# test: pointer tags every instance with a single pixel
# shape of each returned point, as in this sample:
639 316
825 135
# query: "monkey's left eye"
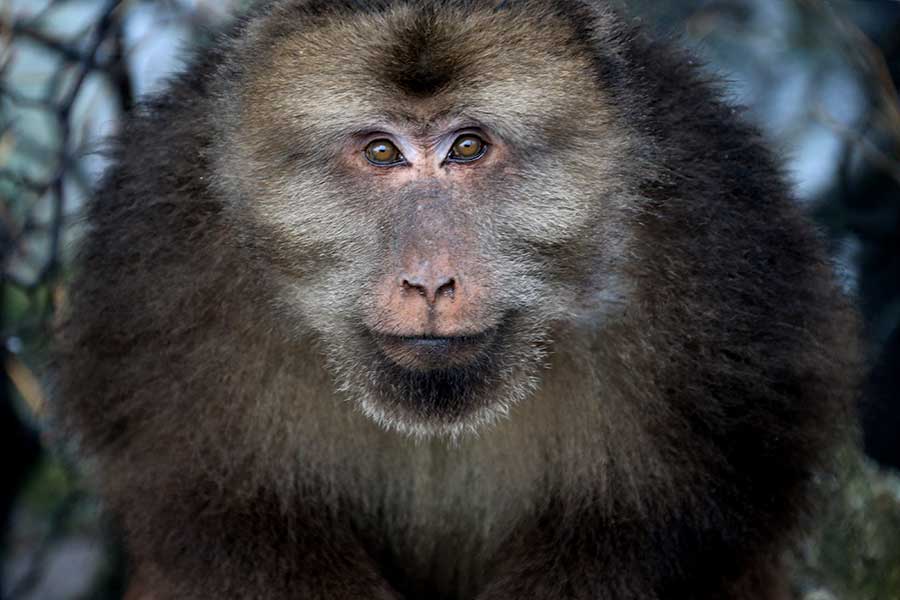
467 148
383 153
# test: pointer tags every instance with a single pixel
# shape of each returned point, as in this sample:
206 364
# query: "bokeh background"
818 77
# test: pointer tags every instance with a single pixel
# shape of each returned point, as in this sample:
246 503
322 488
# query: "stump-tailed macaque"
451 299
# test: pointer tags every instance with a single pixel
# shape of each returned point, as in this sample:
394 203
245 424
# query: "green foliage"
855 552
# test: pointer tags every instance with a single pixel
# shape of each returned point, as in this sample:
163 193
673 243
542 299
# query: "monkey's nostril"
448 289
431 289
414 284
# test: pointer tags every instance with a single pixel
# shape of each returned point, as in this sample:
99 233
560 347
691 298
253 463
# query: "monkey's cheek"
435 353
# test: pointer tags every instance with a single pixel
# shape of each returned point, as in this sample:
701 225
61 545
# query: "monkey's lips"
426 353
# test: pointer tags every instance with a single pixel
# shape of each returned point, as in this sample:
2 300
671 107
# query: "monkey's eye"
383 153
467 148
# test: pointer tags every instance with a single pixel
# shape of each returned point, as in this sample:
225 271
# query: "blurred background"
818 76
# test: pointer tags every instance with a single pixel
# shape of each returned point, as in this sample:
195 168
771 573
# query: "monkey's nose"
431 287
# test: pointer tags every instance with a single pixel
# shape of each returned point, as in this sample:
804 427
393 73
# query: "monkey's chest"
435 526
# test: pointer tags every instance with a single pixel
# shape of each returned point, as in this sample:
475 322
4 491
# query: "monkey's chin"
440 386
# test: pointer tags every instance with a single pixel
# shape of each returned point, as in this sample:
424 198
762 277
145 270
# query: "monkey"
451 299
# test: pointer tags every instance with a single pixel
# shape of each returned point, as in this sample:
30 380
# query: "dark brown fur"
674 365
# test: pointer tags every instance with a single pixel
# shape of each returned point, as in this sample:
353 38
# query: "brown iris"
383 153
467 148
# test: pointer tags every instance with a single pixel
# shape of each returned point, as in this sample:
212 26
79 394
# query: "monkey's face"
436 196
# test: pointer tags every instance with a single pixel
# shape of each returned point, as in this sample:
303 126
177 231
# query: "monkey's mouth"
437 382
427 353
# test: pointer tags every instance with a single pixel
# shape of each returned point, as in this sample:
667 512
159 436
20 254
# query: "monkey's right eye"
383 153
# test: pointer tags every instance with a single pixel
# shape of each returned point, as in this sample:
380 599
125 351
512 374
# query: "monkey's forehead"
410 63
